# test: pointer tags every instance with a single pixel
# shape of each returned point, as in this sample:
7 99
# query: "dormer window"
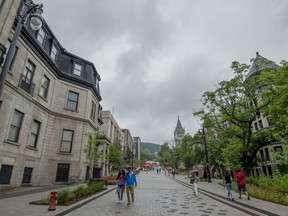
97 83
53 52
41 35
77 69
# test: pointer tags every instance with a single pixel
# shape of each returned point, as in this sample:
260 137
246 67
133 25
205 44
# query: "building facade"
267 163
51 99
179 132
128 141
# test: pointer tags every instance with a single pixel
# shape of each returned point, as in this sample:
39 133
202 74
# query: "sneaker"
128 203
232 199
248 198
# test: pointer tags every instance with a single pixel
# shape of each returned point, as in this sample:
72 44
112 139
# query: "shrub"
80 191
67 195
64 196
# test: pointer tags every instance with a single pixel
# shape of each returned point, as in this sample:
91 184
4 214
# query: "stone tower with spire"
179 132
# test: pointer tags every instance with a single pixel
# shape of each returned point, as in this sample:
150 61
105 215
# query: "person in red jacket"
241 184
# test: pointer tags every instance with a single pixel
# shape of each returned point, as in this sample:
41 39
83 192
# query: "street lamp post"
34 12
206 154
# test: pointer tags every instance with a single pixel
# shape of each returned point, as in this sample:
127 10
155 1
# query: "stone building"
51 99
179 132
266 161
128 144
112 131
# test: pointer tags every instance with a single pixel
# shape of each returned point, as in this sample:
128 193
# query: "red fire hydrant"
53 201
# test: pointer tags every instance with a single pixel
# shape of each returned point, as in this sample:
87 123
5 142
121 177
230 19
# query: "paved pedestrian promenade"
156 195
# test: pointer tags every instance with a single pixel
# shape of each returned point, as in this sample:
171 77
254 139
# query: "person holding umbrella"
131 182
120 181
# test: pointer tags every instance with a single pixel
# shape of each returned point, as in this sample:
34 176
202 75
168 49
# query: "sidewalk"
15 201
156 195
215 188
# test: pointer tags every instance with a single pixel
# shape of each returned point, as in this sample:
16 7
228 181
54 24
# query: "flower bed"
71 196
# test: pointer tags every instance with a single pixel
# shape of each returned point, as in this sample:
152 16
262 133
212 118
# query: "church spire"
179 132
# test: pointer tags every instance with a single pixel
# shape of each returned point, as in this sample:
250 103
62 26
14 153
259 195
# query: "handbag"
192 181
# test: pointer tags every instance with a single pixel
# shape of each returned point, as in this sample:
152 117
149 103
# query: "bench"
111 180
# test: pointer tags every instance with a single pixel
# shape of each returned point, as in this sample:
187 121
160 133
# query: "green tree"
115 155
165 155
91 150
237 102
144 155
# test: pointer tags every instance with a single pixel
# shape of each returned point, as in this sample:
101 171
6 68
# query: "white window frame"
66 141
44 88
93 110
71 103
15 126
77 70
35 130
53 52
41 35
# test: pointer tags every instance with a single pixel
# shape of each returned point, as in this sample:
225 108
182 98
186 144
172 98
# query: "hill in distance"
152 147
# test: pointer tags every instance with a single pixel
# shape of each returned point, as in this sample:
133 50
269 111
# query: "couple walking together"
128 180
240 177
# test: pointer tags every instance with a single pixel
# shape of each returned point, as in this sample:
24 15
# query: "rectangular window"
260 124
5 174
44 87
267 155
34 134
53 52
41 35
62 172
93 110
72 102
278 148
27 175
66 142
15 126
77 69
26 78
270 123
262 155
7 45
256 126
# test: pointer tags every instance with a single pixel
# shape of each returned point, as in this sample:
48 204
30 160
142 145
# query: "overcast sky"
157 57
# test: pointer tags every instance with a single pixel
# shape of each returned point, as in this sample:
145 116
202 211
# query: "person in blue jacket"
131 182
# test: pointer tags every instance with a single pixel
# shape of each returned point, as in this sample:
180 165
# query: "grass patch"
267 188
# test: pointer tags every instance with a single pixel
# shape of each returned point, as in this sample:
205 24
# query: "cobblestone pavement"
157 195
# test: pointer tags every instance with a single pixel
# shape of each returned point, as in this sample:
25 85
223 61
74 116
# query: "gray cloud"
157 57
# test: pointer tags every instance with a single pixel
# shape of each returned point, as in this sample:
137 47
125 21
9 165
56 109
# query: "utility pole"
206 153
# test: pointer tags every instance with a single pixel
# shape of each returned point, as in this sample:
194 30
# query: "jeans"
228 186
120 191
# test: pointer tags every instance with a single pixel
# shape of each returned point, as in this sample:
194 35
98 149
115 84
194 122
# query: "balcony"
27 87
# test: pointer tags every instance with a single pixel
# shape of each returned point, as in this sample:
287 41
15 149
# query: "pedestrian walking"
227 181
131 183
120 181
195 180
242 184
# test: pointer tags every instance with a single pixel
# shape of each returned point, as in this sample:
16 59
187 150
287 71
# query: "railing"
28 87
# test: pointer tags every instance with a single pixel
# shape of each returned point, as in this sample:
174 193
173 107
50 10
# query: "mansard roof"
63 65
259 64
179 129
